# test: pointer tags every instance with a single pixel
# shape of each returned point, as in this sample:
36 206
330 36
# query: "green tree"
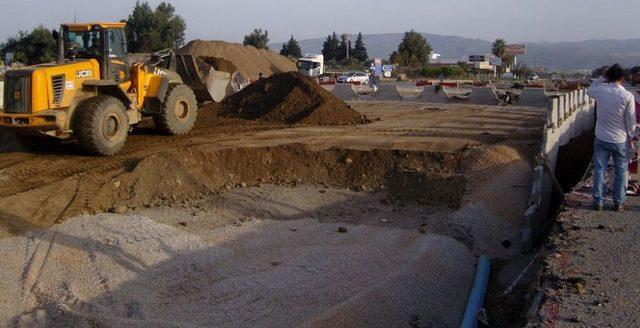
360 50
32 48
499 48
258 38
413 51
395 58
331 47
172 27
522 70
151 30
291 49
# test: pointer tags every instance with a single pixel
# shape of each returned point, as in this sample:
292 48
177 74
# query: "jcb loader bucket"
207 83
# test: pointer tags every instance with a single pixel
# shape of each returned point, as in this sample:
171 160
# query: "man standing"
615 128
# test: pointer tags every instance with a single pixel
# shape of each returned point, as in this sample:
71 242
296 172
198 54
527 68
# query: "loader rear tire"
101 125
179 111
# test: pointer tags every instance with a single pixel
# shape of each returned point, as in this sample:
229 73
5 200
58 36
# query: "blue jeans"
601 153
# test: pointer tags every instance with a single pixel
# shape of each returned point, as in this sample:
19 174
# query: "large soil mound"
249 60
290 98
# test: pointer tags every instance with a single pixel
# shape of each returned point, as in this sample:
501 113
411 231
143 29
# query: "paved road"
593 273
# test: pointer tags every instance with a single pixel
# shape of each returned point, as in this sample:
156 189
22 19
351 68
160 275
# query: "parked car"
354 77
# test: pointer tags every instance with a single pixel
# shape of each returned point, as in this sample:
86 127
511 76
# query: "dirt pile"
290 98
220 64
249 61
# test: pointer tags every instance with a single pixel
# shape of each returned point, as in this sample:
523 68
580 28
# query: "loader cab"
104 42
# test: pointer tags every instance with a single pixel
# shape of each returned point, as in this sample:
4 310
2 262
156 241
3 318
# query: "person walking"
615 130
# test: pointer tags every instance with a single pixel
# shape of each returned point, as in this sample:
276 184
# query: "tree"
499 48
291 49
172 26
258 38
33 48
331 47
522 70
151 30
414 50
395 58
360 50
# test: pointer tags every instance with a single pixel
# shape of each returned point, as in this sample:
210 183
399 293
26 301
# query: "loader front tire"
101 125
179 111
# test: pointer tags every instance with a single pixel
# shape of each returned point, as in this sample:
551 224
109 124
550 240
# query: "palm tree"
499 48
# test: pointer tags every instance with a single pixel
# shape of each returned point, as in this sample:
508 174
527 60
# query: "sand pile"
129 271
249 61
290 98
499 179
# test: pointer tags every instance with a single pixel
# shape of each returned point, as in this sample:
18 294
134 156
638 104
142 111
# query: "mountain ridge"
553 55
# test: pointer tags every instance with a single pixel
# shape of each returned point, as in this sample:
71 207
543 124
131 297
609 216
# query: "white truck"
311 65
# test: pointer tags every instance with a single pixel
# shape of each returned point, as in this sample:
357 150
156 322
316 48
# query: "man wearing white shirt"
615 129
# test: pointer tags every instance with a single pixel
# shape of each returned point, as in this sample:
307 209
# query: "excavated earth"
343 215
290 98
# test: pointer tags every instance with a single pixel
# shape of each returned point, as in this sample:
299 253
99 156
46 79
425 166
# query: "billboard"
477 58
516 50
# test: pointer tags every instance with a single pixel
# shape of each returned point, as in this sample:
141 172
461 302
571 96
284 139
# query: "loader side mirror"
55 34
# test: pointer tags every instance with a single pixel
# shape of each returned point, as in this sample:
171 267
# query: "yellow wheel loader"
93 93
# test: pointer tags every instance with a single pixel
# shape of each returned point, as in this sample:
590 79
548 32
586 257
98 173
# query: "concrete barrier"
430 95
563 124
535 97
328 87
387 92
483 96
344 91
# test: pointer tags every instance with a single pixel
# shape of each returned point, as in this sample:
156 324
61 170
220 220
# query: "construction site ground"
268 224
590 276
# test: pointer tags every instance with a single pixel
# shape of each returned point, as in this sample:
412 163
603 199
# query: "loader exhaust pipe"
59 46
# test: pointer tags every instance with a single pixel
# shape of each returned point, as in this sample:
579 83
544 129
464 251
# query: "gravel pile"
129 271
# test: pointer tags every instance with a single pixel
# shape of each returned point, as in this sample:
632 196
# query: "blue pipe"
476 297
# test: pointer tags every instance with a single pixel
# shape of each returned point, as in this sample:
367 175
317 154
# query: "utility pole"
347 45
75 17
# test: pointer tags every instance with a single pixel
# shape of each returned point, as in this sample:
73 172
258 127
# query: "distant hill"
562 56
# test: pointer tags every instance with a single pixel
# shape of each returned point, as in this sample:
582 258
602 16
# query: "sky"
513 20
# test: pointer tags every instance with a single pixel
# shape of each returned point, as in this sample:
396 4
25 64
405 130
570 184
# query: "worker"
94 49
615 130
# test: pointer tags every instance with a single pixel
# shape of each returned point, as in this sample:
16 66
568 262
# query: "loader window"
117 44
82 44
